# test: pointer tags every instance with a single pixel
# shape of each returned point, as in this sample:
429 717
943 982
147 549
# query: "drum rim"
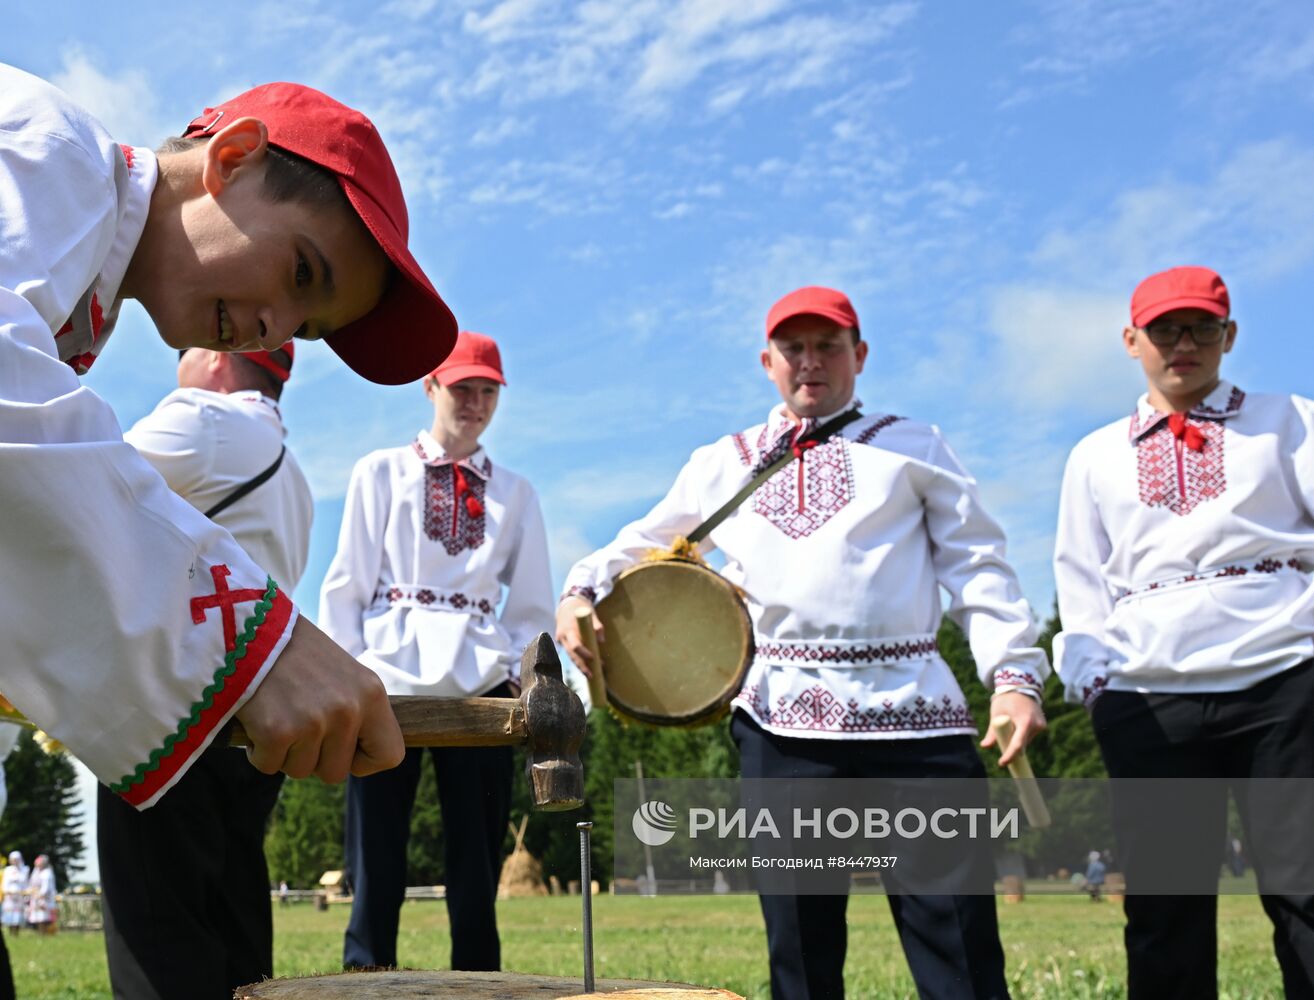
721 706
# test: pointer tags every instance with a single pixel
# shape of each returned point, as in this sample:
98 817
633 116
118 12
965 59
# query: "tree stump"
397 984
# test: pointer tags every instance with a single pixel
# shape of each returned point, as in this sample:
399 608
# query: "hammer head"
554 724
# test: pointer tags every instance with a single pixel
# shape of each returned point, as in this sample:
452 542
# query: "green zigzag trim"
249 628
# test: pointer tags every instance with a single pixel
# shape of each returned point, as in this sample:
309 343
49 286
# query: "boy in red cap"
136 628
440 581
1183 557
186 887
841 556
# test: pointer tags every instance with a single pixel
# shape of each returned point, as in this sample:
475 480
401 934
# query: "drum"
678 643
397 984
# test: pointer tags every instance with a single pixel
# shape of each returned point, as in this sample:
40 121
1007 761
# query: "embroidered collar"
432 453
779 426
143 172
1225 401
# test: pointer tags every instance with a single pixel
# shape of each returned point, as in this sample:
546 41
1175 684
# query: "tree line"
305 833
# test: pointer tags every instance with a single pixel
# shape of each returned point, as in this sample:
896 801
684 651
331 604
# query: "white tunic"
842 556
118 640
41 906
1188 570
207 444
415 588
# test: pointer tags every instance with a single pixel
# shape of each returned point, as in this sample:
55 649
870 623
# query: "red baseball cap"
272 361
813 301
1179 288
411 329
474 356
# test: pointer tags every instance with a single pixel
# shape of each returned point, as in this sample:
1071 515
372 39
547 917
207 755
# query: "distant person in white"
186 887
440 581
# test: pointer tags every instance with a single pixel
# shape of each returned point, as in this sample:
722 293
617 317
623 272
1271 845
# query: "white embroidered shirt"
435 588
133 627
208 444
842 555
1183 568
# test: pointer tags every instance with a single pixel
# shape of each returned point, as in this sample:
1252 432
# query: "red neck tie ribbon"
1187 433
472 505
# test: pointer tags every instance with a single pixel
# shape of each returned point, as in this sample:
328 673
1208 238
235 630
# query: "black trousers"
474 793
6 973
1266 731
185 885
951 942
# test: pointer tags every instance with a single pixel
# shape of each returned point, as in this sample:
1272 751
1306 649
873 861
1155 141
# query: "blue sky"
617 190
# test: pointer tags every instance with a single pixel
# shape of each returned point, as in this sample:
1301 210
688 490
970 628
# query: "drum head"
678 643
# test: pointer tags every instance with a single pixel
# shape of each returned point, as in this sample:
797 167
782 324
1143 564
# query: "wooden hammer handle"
445 722
597 685
1028 789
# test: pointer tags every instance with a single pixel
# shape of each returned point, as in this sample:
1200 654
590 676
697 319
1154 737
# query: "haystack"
522 873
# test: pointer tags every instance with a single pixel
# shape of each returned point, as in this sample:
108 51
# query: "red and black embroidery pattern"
1263 566
880 425
1093 690
741 448
1171 475
819 654
427 597
447 521
1016 678
817 709
809 491
588 593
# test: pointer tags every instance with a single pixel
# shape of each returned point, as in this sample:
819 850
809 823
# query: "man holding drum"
841 555
439 583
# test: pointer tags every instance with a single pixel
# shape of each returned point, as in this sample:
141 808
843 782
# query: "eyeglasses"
1204 333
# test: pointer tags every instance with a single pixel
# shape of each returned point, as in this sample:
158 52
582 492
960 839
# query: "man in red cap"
842 555
186 887
440 580
1183 562
279 215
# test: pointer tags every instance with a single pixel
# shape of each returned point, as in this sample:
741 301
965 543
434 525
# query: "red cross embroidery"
224 599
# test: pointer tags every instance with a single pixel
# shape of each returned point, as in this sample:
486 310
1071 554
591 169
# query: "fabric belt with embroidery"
415 596
845 654
1223 572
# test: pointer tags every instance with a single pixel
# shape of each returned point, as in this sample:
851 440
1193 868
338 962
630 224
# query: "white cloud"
1253 216
505 128
504 21
124 102
1060 349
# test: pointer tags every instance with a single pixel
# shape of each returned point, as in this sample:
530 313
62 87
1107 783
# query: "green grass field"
1058 946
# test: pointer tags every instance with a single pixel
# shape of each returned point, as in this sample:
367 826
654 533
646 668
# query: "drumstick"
1028 789
597 687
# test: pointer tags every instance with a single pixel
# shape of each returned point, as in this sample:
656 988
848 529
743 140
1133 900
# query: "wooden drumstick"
597 686
1028 789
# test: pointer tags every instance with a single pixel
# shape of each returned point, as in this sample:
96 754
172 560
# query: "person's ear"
1229 338
766 359
1129 341
231 151
860 352
430 386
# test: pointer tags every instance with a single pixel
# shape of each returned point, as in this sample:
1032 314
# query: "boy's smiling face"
231 269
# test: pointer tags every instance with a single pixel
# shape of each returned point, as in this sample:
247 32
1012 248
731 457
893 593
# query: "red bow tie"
799 447
1187 433
472 504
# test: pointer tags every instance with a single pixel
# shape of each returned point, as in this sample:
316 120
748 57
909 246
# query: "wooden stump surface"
403 984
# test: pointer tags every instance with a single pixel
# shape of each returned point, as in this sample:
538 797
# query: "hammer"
548 718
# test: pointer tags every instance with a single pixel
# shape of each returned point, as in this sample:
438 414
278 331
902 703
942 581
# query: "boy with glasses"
1183 557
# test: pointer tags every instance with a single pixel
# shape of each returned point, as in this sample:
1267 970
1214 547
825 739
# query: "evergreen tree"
42 816
304 839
